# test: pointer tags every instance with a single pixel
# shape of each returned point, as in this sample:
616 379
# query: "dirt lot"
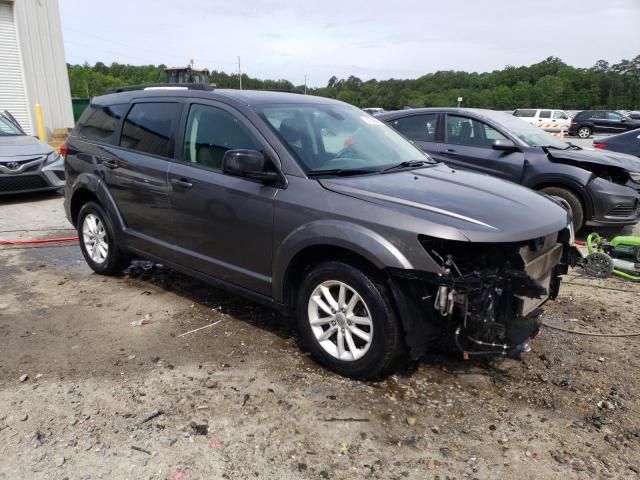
113 391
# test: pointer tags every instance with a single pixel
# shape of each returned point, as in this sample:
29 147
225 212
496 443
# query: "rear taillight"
600 145
64 150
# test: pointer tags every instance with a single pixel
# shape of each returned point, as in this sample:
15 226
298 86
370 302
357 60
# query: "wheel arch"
330 239
89 187
576 188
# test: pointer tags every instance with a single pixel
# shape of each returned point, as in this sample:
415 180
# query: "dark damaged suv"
318 209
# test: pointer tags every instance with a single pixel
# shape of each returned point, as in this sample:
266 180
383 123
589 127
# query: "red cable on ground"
38 241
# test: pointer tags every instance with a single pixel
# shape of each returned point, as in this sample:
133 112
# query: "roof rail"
160 86
282 90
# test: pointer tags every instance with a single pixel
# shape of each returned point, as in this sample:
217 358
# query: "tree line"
550 83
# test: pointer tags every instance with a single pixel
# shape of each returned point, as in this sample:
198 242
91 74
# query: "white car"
547 119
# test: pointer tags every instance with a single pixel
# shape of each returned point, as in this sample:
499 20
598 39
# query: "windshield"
338 137
8 128
532 136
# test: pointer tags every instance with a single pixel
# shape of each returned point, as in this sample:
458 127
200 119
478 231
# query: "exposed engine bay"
487 297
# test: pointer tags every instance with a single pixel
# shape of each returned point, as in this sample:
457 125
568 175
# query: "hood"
22 146
597 157
482 208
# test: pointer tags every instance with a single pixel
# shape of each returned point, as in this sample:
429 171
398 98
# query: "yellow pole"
42 134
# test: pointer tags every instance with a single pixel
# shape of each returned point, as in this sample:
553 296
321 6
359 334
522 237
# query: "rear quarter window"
99 123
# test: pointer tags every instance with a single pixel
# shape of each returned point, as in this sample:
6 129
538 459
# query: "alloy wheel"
584 133
340 320
94 236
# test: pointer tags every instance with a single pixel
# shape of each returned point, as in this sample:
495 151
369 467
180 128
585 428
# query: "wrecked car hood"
22 145
482 208
597 157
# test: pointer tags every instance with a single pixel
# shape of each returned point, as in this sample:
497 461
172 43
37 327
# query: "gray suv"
318 209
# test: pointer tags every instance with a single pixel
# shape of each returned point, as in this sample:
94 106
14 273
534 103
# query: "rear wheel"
577 210
97 241
584 132
347 322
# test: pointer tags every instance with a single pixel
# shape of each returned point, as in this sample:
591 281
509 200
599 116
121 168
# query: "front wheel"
347 322
577 211
97 241
584 132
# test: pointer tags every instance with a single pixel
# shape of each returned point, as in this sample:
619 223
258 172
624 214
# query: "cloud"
375 38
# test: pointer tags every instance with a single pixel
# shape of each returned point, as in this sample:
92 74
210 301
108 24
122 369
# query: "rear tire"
577 210
584 132
347 322
98 242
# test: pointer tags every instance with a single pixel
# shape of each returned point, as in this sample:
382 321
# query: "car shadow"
29 197
212 297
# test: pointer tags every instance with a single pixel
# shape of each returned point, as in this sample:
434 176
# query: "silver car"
26 164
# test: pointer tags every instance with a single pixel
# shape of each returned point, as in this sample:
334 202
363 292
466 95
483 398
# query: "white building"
32 64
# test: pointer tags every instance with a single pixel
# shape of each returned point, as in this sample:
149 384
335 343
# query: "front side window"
614 116
99 122
211 132
421 128
466 131
545 114
557 115
150 128
328 137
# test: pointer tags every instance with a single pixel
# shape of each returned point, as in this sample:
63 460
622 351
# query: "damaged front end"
487 296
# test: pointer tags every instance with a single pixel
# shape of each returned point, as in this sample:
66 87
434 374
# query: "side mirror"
623 119
505 145
249 164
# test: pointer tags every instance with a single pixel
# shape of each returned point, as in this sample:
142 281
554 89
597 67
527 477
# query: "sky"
278 39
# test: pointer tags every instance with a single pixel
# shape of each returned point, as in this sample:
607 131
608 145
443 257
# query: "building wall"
13 95
39 34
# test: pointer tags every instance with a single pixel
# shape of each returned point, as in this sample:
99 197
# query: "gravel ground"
96 382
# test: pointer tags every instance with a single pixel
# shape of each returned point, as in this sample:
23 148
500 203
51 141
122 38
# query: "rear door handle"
181 182
449 151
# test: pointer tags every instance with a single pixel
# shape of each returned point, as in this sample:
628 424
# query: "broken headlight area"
486 297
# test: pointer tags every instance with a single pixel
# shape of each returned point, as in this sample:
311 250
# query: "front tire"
97 241
577 210
584 132
347 321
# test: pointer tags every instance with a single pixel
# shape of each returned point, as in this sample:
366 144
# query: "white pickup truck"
547 119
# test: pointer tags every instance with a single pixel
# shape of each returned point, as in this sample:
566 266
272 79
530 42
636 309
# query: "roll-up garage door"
12 89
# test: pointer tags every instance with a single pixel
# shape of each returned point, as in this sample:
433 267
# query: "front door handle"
449 151
110 164
181 182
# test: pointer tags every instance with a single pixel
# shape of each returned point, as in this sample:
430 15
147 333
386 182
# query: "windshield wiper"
341 172
409 164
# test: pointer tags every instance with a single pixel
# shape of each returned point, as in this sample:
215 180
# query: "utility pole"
239 73
305 84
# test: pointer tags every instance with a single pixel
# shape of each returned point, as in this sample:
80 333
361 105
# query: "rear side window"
150 128
525 113
545 114
596 114
421 128
99 122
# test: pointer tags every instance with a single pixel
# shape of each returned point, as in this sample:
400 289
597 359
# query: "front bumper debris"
486 300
